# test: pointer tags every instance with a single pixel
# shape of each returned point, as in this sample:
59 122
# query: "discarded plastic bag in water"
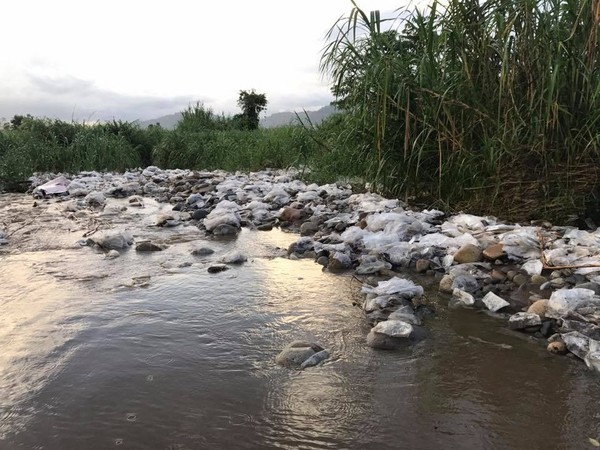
398 286
564 301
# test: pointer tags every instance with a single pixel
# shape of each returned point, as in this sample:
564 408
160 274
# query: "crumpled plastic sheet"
59 185
563 301
395 286
225 212
521 243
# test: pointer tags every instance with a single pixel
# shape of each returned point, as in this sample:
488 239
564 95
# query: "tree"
252 104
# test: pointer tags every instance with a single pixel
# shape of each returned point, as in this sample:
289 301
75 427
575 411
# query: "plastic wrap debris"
460 297
353 235
225 213
380 302
583 238
378 221
465 282
233 257
369 202
592 359
493 302
379 242
522 243
342 261
150 171
405 314
393 328
564 301
113 240
370 264
3 238
278 196
308 196
78 189
95 199
400 254
463 223
57 186
533 267
398 286
577 343
195 200
407 228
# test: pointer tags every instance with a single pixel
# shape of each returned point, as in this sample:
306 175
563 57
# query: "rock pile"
547 276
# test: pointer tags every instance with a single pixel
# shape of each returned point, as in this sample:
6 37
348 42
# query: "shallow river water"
149 351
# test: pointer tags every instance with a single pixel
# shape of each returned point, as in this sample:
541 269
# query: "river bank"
542 280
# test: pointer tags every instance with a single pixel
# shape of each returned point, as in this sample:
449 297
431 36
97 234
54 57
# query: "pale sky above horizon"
130 59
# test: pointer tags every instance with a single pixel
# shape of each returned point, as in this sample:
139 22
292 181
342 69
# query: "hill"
273 120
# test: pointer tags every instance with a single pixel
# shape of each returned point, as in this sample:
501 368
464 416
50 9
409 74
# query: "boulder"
289 214
296 353
468 253
390 334
147 246
217 268
539 307
225 229
557 347
113 240
446 284
308 228
234 257
202 251
493 252
339 261
422 265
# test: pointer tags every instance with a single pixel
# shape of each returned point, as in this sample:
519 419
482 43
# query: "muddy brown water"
149 351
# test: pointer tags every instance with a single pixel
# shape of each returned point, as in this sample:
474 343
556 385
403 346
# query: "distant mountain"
169 122
289 117
274 120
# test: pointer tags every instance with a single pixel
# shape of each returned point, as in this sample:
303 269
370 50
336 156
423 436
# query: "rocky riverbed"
542 280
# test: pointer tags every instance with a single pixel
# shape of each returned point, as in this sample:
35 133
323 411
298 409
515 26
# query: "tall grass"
233 150
202 140
493 106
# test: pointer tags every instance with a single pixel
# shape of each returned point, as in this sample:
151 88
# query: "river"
150 351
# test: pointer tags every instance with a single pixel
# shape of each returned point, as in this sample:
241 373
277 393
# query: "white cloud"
122 58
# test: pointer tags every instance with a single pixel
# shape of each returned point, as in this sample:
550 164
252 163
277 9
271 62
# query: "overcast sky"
130 59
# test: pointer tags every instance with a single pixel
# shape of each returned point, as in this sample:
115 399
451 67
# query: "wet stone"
494 252
422 265
217 268
202 251
468 253
557 347
538 307
294 355
265 227
520 279
147 246
199 214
